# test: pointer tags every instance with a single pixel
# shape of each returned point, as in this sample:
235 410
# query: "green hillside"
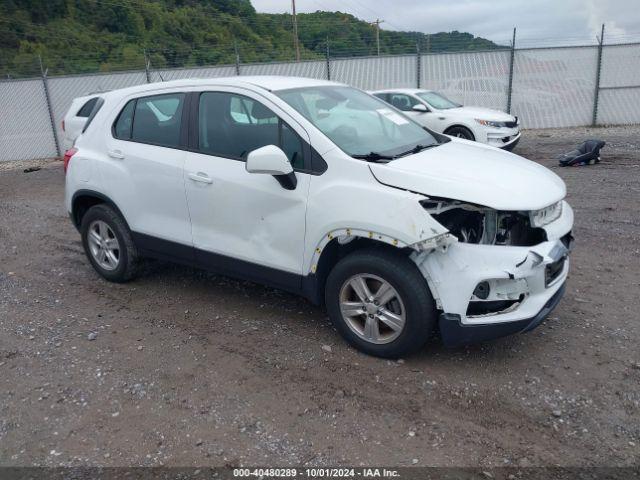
76 36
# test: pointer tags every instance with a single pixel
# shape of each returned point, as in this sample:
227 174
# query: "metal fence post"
511 66
596 94
146 66
49 107
328 61
418 63
235 49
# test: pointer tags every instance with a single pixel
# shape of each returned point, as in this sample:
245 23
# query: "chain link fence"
545 87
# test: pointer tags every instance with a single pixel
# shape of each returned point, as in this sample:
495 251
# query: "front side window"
231 125
157 120
402 102
358 123
437 100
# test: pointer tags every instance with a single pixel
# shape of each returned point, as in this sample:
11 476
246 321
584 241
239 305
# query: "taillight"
63 125
67 157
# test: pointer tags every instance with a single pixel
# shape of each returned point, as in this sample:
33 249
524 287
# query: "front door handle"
200 177
117 154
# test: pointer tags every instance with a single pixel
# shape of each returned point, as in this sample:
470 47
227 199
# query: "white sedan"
436 112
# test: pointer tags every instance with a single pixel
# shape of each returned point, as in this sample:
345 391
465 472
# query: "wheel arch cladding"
460 125
83 200
336 246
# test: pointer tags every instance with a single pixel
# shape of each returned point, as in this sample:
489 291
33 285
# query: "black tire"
461 132
127 253
403 275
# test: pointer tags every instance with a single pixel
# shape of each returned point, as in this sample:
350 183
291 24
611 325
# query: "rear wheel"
108 244
460 132
380 303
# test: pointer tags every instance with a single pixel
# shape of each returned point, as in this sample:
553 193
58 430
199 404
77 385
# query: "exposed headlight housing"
490 123
545 216
482 225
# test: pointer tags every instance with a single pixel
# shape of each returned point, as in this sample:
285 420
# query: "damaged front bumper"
489 291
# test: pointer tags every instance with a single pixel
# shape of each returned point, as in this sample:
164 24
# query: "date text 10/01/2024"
315 472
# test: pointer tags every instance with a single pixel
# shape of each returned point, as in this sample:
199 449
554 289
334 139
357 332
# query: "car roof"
267 82
409 91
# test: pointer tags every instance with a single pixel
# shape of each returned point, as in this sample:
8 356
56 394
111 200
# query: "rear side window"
87 108
156 120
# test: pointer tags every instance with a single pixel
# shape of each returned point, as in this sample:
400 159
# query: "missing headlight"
485 226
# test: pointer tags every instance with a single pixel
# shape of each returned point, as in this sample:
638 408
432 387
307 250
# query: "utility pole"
377 24
296 43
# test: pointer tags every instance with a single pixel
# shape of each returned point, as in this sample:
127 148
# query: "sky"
541 22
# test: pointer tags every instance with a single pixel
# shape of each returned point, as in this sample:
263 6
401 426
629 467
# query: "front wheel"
460 132
380 303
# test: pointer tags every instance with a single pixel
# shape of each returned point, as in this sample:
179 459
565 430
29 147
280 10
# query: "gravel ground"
184 368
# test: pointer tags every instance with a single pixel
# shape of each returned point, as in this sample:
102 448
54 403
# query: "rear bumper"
454 333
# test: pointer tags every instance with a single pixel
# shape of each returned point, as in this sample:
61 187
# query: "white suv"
436 112
323 190
76 118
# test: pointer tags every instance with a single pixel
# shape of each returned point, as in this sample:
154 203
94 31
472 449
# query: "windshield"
358 123
437 100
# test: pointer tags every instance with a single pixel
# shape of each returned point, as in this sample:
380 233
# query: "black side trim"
90 193
288 181
150 246
455 334
175 252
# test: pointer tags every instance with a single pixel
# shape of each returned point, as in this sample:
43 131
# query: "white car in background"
76 118
436 112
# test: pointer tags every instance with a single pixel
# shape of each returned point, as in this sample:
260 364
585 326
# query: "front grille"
553 271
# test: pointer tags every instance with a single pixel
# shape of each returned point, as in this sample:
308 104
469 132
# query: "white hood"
473 173
479 113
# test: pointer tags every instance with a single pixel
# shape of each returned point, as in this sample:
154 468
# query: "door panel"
246 216
148 184
239 215
147 181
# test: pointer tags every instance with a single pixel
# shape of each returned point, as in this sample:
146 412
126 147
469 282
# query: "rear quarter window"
122 126
87 108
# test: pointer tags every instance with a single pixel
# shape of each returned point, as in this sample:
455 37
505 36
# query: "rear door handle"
117 154
200 177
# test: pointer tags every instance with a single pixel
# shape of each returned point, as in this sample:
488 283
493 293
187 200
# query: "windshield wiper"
416 149
373 156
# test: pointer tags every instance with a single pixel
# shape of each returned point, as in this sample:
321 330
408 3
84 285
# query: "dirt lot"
187 368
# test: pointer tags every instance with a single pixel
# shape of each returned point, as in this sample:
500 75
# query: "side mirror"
418 107
272 161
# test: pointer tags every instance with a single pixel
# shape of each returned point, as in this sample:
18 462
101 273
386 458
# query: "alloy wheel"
103 245
372 308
